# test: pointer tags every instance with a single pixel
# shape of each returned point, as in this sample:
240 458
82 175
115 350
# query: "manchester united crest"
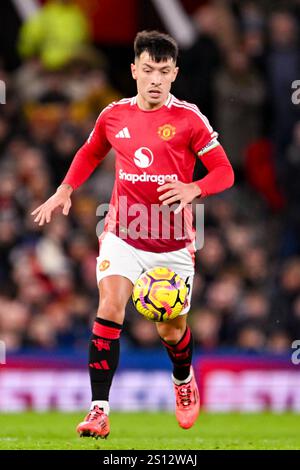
166 132
104 265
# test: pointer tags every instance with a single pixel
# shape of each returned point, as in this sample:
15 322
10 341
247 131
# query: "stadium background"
238 61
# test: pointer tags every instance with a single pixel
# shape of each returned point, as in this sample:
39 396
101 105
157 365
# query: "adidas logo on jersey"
123 134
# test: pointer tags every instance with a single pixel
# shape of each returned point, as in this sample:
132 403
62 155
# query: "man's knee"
111 310
171 335
114 292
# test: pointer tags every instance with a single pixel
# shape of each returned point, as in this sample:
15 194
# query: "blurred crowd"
239 72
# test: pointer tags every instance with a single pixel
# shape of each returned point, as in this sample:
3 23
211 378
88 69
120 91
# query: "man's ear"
176 70
133 71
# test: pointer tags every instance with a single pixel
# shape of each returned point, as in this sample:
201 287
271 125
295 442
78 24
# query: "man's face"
154 79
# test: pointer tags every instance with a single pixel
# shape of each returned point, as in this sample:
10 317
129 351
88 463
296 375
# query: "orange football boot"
187 402
95 424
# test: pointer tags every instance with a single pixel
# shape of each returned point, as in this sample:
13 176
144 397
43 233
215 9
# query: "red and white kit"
149 146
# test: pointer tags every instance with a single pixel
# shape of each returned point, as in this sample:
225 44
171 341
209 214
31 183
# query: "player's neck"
144 105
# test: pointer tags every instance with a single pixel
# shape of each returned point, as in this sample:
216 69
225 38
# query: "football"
159 294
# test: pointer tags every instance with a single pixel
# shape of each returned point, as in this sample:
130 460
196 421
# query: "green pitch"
152 431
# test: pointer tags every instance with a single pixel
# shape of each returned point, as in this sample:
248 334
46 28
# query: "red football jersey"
149 146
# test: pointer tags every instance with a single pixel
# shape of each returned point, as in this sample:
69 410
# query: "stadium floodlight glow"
2 92
2 353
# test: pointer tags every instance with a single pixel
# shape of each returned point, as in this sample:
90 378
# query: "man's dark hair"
159 46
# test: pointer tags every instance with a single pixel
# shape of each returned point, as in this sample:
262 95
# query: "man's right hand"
62 198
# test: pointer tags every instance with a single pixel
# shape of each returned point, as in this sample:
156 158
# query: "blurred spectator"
290 277
144 333
292 169
290 180
251 338
55 34
49 250
295 318
202 58
212 255
8 239
255 266
206 326
286 293
254 306
41 333
239 236
239 99
223 294
17 320
279 342
261 173
253 30
283 65
216 19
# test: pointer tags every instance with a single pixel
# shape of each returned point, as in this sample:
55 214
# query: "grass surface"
152 431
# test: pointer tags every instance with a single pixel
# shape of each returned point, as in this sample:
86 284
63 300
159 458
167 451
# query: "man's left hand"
176 191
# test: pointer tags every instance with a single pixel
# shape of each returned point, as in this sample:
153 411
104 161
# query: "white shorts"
116 257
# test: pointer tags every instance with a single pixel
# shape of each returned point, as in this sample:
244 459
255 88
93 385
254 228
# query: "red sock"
104 354
181 355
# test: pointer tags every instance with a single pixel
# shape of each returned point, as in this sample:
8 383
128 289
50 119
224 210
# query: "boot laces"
184 394
94 414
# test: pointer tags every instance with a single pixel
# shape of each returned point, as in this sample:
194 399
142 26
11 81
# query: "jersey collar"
168 102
